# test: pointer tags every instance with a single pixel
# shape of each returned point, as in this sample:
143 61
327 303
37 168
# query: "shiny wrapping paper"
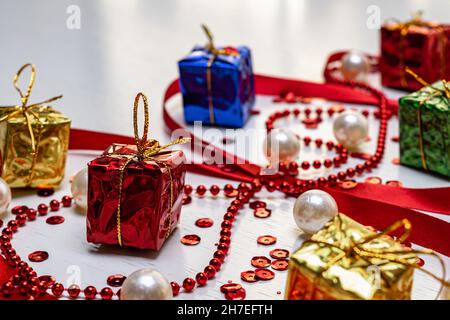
424 48
351 277
435 129
145 206
232 88
52 142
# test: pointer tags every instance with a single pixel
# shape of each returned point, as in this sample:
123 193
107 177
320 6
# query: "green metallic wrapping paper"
315 272
435 126
19 167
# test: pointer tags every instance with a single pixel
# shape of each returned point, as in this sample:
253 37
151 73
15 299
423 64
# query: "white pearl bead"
146 284
5 195
79 189
355 66
351 129
281 145
313 209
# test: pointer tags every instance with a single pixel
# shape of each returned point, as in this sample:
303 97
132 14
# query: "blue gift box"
229 96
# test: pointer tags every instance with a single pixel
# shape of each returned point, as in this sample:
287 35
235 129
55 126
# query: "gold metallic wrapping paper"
20 168
334 270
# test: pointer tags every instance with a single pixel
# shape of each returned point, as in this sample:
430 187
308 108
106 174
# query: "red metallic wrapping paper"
424 48
145 206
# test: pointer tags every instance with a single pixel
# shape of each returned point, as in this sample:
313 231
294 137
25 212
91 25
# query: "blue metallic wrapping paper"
232 87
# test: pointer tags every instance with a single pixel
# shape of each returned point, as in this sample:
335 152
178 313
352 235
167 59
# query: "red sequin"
248 276
190 240
115 280
279 253
38 256
396 161
260 262
348 184
204 222
394 183
373 180
280 264
55 220
264 274
262 212
266 240
230 287
236 295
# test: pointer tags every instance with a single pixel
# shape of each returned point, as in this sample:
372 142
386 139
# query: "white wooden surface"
125 47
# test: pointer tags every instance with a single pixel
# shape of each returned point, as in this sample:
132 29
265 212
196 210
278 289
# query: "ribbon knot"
147 149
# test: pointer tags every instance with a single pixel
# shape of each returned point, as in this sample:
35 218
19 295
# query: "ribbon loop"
24 97
141 143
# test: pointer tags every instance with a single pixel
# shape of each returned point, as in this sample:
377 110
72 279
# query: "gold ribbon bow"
215 52
357 248
436 92
147 149
28 111
418 21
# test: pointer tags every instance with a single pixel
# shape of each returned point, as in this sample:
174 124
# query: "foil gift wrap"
135 192
34 140
420 45
217 85
424 121
346 260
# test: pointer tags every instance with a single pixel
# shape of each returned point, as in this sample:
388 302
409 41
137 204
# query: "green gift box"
424 118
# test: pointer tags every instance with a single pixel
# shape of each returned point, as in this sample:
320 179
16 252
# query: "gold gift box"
34 139
338 264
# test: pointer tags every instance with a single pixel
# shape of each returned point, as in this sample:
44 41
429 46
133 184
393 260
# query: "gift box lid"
199 57
351 273
429 97
47 115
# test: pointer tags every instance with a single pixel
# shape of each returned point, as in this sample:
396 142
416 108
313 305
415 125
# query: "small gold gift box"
346 260
34 139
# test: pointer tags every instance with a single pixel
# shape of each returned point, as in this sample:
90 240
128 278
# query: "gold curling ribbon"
28 112
418 21
385 254
215 52
147 149
436 92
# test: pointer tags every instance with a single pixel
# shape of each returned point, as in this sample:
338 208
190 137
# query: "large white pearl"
146 284
313 209
355 66
281 145
350 128
5 195
79 189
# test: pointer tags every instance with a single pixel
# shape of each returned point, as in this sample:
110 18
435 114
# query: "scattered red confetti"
396 161
236 295
264 274
204 222
115 280
420 262
348 184
278 292
255 112
262 213
373 180
230 287
190 240
55 220
248 276
266 240
279 253
280 264
257 204
260 262
394 183
395 139
186 199
38 256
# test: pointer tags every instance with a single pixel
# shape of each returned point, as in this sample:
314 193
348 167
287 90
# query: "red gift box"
422 46
151 193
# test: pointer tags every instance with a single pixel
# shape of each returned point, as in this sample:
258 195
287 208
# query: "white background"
124 47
